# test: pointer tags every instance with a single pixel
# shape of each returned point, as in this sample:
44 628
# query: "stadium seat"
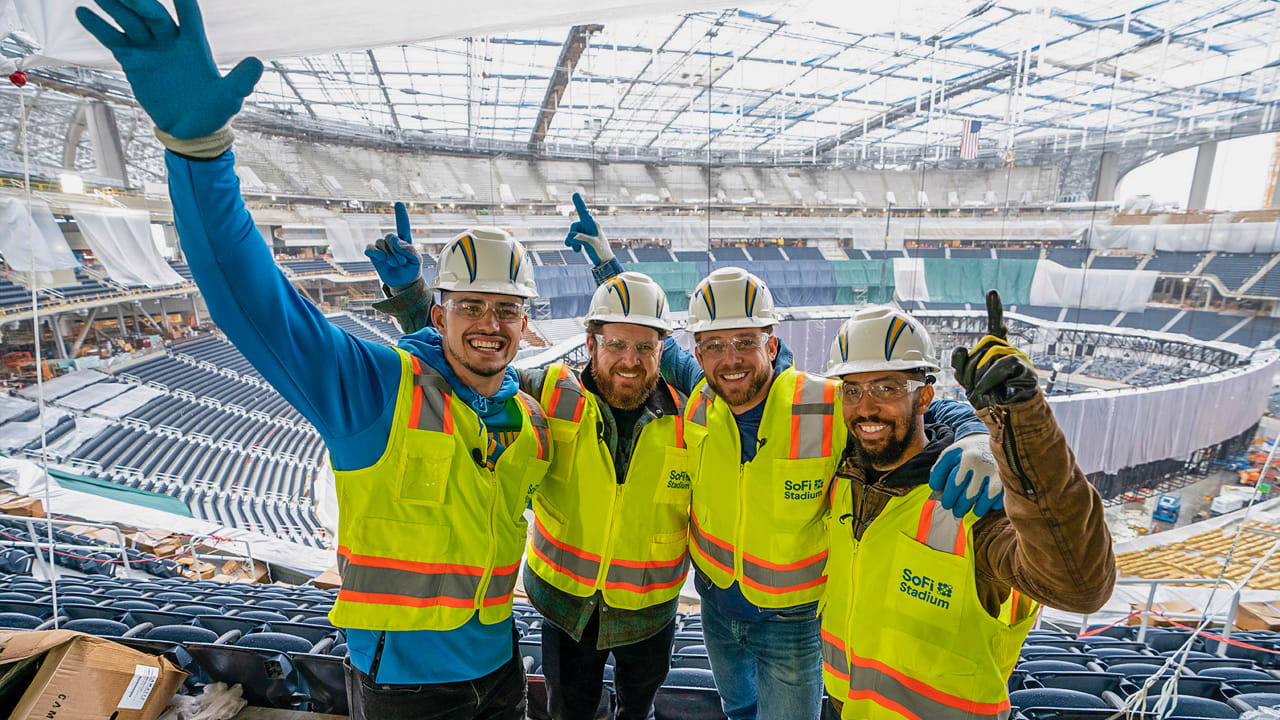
97 626
1054 698
1196 707
1034 666
691 661
532 653
687 703
690 678
181 634
260 663
1090 683
1245 702
325 680
22 621
1235 673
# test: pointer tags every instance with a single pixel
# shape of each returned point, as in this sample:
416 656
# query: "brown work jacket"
1050 541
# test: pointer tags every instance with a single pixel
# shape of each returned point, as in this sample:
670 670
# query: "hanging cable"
19 79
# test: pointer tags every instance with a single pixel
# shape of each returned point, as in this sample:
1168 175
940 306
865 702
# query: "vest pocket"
428 459
675 482
798 489
930 588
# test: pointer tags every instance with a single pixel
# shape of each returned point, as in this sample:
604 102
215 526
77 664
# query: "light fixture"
72 183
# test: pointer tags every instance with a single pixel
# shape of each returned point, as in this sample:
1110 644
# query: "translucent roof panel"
797 78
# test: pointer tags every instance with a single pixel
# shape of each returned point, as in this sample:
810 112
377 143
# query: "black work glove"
994 372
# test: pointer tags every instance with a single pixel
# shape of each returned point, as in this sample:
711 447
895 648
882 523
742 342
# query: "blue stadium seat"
532 654
20 621
181 634
325 680
1035 666
690 678
1091 683
97 626
260 663
1054 698
1253 701
691 661
1196 707
687 703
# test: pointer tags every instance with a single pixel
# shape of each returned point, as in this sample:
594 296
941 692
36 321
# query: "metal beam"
570 53
391 107
287 81
84 332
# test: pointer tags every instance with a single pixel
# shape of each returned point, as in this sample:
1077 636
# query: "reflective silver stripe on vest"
783 579
569 397
815 414
643 579
871 684
709 548
835 658
538 421
501 585
944 527
434 391
393 581
561 559
707 396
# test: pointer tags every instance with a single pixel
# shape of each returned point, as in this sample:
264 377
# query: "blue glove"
170 66
393 256
585 236
967 477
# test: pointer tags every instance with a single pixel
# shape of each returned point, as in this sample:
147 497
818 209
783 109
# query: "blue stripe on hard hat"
751 297
891 336
709 300
468 247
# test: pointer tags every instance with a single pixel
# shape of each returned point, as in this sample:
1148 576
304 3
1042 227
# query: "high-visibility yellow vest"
762 524
629 541
429 535
904 634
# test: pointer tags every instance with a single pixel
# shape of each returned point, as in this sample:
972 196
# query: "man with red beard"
925 612
609 551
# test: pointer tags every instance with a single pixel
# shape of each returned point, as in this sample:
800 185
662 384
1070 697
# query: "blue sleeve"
958 415
679 367
605 270
344 386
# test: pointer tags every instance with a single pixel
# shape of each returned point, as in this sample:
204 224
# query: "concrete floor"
1125 518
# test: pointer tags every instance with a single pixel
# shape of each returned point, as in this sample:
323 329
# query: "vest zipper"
609 540
1011 451
493 511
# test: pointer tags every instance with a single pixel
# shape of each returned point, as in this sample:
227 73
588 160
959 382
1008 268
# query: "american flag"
969 139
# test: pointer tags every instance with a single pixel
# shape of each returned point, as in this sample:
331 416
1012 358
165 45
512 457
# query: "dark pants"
575 672
500 695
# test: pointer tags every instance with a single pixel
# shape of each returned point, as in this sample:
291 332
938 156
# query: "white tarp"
63 384
908 279
11 407
121 405
1119 429
1222 235
122 242
85 429
48 252
238 28
93 395
1059 286
18 434
346 241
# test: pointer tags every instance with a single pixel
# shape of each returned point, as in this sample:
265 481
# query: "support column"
120 317
1108 177
84 332
55 328
1203 174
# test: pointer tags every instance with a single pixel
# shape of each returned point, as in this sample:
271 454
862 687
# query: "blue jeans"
766 670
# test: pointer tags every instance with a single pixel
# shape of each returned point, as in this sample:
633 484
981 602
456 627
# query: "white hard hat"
881 337
631 297
485 260
728 299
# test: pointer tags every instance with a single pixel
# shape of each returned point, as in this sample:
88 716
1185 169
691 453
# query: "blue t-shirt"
346 388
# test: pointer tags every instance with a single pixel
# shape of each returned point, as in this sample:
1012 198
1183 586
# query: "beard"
889 451
743 394
615 396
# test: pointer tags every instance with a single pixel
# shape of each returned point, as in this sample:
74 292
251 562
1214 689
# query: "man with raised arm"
435 450
609 551
764 442
925 612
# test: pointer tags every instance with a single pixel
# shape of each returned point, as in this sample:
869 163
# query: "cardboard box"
203 571
329 579
238 569
1172 607
20 505
1258 616
72 676
155 541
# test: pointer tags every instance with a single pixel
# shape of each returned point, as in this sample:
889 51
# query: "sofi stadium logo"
924 589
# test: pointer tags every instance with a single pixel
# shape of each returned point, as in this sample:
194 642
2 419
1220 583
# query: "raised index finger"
995 316
402 222
584 215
